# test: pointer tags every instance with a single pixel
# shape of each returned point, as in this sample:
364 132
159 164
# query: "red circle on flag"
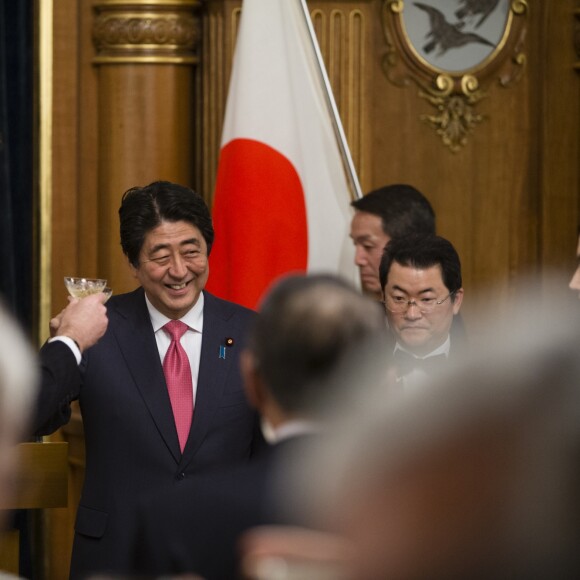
259 217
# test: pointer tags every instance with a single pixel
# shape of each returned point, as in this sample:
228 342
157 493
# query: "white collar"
443 349
288 429
193 318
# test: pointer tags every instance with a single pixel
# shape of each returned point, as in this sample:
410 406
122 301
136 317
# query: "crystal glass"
81 287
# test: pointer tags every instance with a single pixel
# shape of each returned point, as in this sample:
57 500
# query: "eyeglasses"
400 304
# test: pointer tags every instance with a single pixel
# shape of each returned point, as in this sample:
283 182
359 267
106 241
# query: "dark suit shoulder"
128 302
227 308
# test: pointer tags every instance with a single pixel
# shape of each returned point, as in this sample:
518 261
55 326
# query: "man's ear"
131 267
458 300
253 383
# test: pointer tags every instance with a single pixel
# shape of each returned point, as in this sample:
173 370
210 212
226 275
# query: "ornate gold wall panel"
218 40
500 200
154 31
453 85
145 51
343 35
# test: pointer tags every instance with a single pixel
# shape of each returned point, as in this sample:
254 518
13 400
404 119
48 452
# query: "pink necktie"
178 377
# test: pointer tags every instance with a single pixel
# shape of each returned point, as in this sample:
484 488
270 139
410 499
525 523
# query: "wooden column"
145 53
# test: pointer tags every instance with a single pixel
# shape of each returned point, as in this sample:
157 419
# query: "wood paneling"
145 134
41 476
9 551
558 115
509 200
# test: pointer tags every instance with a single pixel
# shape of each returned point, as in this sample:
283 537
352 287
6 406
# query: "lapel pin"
228 342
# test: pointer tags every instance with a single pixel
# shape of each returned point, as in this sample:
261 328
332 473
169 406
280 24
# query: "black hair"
402 208
144 208
423 251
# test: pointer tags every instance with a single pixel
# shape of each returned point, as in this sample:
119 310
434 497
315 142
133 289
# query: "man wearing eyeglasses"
420 277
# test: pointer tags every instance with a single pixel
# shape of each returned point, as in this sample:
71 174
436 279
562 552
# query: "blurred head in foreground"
305 326
18 380
575 281
475 477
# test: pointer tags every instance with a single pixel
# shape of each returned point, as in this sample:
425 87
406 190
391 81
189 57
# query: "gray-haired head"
305 326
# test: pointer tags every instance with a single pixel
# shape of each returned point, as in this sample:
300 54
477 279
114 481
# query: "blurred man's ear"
457 300
253 383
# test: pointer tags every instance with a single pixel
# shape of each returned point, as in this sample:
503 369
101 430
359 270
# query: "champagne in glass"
81 287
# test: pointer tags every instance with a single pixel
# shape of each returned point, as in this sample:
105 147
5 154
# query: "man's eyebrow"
425 291
192 241
159 247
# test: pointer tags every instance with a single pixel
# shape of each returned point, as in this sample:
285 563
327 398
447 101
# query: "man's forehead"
364 236
410 274
172 234
366 224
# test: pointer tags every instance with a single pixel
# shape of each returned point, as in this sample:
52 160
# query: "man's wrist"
71 343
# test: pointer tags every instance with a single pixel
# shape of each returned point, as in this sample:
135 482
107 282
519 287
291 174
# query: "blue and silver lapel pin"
228 343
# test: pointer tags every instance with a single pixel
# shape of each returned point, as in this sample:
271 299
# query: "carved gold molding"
455 118
454 95
45 57
577 38
147 31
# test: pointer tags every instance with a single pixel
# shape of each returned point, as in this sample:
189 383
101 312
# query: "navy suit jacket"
196 528
130 436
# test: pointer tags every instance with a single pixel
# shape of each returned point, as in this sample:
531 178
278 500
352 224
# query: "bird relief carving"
449 46
455 35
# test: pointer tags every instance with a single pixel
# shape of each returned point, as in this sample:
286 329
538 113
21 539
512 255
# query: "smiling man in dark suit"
156 408
306 326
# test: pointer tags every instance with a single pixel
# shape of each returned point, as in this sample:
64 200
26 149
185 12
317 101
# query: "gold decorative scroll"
454 95
147 31
456 117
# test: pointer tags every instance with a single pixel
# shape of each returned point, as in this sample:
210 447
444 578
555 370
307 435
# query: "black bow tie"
406 363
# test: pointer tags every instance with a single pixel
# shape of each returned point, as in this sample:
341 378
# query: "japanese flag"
282 200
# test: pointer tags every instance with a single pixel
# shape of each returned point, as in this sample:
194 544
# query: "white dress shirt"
190 341
418 376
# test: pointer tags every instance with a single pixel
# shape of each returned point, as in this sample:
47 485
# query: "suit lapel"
213 371
136 340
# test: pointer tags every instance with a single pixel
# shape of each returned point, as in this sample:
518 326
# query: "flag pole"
341 137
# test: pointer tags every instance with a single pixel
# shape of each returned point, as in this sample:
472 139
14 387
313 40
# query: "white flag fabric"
282 201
